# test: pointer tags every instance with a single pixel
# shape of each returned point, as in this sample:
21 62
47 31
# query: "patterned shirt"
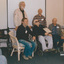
41 19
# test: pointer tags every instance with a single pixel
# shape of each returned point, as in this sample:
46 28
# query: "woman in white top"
19 14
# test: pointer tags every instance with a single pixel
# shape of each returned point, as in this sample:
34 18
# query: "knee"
50 37
33 44
41 38
27 47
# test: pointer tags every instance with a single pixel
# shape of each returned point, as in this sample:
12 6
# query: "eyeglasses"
36 21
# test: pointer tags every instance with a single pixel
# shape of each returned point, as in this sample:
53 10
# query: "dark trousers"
57 38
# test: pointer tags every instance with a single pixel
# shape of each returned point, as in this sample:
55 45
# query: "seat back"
14 40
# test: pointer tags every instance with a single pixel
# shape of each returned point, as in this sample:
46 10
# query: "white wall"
54 9
31 9
63 11
3 14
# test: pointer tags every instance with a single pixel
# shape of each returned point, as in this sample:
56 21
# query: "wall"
3 14
63 11
54 9
31 9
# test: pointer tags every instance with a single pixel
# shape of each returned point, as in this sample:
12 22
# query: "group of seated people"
37 31
24 30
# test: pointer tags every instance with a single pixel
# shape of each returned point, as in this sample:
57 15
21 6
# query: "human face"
36 22
40 11
25 22
22 5
54 21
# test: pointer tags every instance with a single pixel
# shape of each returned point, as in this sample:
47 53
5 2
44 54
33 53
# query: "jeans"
29 47
57 38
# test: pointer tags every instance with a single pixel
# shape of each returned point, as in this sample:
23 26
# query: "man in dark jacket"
56 33
23 32
42 35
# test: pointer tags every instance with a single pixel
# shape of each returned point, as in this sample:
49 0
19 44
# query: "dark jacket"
23 33
38 30
59 32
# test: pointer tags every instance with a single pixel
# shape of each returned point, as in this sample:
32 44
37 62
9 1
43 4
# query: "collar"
53 24
21 10
39 16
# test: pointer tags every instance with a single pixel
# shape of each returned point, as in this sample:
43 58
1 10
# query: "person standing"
19 14
40 18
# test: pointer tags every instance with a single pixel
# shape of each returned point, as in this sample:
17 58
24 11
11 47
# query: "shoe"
26 58
52 49
46 50
58 49
29 57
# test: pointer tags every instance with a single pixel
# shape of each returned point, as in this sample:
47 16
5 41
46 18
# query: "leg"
55 40
32 48
60 41
42 41
50 42
27 47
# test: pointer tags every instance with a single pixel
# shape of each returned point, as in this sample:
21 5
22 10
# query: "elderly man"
56 33
19 14
40 18
42 36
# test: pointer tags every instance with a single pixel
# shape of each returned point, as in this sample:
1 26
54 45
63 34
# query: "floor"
46 58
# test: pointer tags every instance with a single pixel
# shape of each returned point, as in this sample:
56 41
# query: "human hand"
46 34
49 34
34 38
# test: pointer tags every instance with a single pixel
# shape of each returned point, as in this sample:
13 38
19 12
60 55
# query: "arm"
37 32
33 20
30 32
16 19
26 15
49 27
19 33
60 30
45 24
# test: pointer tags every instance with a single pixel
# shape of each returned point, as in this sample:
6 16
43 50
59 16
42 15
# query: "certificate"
47 30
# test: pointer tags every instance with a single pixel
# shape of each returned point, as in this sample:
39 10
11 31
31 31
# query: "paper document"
47 30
